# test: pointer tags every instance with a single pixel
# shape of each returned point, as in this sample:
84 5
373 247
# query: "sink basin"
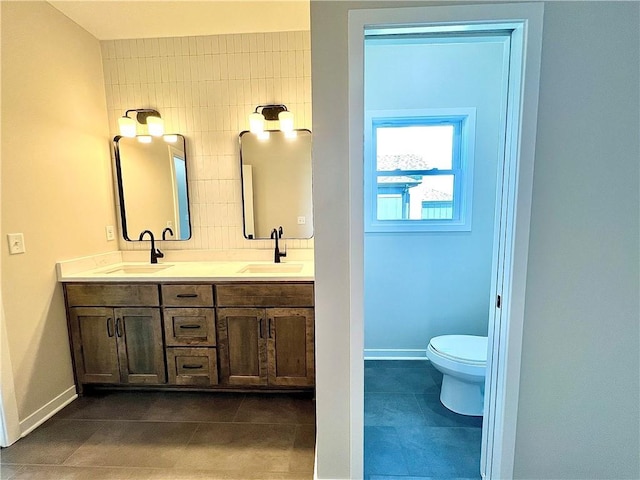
128 269
272 268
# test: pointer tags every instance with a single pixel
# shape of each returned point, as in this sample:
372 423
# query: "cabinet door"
94 344
140 347
242 346
291 346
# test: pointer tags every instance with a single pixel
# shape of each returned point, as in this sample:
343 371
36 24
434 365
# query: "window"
419 170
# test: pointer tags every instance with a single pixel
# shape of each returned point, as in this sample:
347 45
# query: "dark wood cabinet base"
239 336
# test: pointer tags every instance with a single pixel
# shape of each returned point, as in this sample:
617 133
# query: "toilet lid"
463 348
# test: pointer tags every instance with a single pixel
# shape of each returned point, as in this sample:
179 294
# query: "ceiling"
111 20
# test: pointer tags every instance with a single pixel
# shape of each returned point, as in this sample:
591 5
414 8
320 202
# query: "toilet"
462 359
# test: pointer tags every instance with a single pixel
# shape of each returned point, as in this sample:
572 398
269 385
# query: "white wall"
579 396
205 87
56 189
422 284
579 400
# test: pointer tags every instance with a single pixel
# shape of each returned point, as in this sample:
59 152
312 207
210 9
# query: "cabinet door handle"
191 367
269 328
187 295
118 327
109 327
260 327
190 325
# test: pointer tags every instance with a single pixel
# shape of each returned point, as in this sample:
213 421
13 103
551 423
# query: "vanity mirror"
152 185
276 184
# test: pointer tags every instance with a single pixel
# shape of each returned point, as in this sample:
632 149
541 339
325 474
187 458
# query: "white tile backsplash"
205 87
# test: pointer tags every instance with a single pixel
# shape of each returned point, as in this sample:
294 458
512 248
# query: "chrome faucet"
155 253
277 255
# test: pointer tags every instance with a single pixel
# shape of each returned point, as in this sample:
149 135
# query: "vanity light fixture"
270 113
144 138
144 116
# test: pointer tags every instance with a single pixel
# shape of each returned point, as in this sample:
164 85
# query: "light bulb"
155 126
127 127
286 121
256 122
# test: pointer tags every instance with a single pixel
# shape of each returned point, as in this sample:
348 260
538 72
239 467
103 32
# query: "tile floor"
170 435
408 434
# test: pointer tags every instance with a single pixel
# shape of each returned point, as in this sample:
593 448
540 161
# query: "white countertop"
192 271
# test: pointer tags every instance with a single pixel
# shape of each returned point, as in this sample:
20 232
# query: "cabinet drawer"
112 295
187 295
189 326
192 366
264 295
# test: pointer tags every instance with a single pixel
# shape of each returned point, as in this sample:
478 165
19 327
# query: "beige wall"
56 185
579 402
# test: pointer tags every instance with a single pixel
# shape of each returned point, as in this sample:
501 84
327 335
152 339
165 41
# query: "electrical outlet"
302 220
16 243
111 232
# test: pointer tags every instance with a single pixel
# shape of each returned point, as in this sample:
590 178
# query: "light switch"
16 243
111 232
302 220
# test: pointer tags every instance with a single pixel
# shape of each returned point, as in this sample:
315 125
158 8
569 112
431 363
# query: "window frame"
463 120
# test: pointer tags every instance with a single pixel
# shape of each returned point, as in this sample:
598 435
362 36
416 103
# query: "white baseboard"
394 354
47 411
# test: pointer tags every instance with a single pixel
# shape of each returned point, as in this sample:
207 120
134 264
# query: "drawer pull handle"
191 326
187 295
118 328
191 366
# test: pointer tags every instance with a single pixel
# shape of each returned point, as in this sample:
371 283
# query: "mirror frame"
242 187
123 216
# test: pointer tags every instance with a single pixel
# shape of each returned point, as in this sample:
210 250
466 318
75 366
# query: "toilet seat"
465 349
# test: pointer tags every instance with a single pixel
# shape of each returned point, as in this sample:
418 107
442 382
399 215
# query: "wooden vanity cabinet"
266 334
113 343
218 335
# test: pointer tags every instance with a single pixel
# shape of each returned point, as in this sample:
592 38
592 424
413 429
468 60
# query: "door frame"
512 230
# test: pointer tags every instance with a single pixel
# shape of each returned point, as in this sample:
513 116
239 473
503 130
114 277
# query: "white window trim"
467 154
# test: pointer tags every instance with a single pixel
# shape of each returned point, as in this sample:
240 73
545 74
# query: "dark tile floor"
170 435
408 433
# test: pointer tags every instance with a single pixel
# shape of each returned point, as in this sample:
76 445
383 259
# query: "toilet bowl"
462 359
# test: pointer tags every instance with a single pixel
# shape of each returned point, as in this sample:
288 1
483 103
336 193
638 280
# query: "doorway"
435 110
524 22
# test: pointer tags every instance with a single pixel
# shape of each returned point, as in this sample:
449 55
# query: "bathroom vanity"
206 325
